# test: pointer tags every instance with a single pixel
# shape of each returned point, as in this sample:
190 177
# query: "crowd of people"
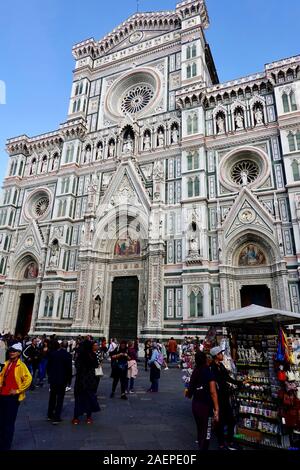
27 363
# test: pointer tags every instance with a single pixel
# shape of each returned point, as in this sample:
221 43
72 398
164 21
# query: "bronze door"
124 308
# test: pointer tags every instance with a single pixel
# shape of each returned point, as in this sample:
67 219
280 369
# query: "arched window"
188 71
295 169
21 168
11 219
51 303
194 50
190 188
190 162
81 88
74 107
285 102
5 248
64 208
197 187
46 306
293 101
189 125
196 305
2 266
298 139
291 140
195 124
44 164
188 52
194 69
15 196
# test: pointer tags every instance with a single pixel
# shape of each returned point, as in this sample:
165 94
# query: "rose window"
245 171
137 98
41 206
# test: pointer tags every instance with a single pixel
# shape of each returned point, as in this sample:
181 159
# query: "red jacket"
172 346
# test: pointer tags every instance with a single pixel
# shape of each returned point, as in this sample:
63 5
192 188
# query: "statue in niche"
147 142
97 308
87 157
221 124
193 240
258 114
92 191
111 149
55 164
54 253
161 138
175 135
128 145
33 168
239 120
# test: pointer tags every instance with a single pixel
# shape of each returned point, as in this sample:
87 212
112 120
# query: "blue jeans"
42 369
173 357
130 383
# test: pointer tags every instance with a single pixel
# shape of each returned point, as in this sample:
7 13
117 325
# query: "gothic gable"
127 188
31 241
248 212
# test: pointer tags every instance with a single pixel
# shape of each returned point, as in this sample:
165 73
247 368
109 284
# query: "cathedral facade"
165 197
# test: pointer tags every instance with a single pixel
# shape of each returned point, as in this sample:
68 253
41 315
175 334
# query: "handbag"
99 372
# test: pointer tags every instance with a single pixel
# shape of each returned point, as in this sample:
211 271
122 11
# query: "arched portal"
253 273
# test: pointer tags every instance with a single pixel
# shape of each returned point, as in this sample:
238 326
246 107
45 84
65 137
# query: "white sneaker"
68 389
166 368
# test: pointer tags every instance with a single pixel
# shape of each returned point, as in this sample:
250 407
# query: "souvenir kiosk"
262 349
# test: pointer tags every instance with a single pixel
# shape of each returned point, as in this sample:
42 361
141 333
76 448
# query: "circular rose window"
41 206
37 204
137 98
244 171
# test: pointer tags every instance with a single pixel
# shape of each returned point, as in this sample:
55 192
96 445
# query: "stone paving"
146 421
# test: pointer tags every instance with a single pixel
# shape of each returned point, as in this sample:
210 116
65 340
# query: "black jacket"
59 367
223 379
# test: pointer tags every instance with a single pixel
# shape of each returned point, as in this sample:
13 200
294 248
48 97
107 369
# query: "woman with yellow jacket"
15 378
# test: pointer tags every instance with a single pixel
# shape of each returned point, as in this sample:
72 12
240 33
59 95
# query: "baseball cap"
216 350
16 347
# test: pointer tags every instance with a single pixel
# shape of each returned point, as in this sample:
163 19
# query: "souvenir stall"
262 351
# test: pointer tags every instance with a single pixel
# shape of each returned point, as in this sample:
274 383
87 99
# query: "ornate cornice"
168 20
74 129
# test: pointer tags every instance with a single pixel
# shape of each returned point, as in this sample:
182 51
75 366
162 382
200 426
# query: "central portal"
25 314
124 308
258 295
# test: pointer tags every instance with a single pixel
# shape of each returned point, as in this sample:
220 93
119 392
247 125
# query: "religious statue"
221 125
175 135
55 163
258 114
161 138
54 254
33 168
244 177
87 158
194 245
147 142
239 120
128 145
97 308
111 149
92 191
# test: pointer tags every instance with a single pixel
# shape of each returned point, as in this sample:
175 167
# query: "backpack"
160 359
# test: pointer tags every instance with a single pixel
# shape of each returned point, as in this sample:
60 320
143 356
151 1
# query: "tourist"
85 383
32 359
155 368
59 371
119 367
226 417
147 352
15 379
100 356
172 348
2 352
132 371
202 388
44 354
163 350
